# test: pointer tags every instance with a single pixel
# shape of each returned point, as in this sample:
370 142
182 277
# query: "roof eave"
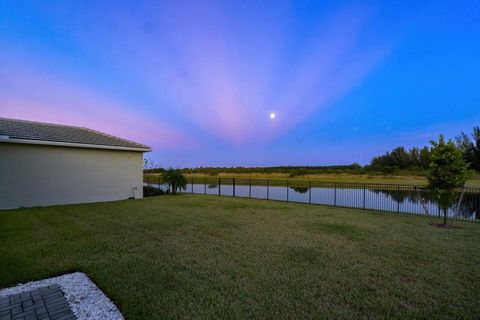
74 145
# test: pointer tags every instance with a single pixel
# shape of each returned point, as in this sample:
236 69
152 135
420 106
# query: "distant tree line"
418 159
414 159
290 170
470 148
399 160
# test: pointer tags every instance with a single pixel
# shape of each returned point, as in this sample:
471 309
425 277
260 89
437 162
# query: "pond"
392 198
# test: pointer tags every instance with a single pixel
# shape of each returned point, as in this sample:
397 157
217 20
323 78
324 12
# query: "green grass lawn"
193 256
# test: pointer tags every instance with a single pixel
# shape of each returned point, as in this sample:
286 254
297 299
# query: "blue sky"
197 80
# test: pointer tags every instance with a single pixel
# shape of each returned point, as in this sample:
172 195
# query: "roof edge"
74 145
41 122
141 146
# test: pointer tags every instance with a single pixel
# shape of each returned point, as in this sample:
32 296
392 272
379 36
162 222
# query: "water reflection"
469 207
300 189
403 199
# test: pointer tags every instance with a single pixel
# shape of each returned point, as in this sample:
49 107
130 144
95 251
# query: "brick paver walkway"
47 303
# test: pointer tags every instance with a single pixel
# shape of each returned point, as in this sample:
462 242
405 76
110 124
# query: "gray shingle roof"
30 130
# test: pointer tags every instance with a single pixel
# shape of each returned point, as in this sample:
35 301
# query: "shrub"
150 191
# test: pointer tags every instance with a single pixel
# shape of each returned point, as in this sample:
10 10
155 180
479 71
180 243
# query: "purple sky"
197 80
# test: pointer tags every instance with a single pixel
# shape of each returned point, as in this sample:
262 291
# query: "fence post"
288 187
309 191
268 189
219 186
250 189
335 194
192 184
205 186
477 208
398 198
364 190
233 187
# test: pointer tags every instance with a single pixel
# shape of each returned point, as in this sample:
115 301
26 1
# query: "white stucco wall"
39 175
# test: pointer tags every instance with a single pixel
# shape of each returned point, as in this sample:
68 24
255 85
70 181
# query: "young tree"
447 172
175 179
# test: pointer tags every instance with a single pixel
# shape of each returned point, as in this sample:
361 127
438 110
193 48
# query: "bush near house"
149 191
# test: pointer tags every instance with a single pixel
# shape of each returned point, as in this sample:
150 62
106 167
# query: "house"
48 164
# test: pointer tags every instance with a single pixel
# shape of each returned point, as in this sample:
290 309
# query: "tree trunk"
445 217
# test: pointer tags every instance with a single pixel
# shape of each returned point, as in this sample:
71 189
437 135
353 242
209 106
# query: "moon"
272 115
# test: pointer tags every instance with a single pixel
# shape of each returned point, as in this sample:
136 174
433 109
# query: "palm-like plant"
175 180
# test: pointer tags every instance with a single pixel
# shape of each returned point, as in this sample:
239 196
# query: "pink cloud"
231 99
219 82
39 96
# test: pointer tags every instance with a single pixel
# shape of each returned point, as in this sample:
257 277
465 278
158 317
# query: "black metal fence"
395 198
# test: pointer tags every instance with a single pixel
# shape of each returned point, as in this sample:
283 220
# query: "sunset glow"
195 79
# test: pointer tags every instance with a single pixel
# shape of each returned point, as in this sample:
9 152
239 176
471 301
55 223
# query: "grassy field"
205 257
349 178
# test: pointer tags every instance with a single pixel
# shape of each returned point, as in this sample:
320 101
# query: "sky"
198 80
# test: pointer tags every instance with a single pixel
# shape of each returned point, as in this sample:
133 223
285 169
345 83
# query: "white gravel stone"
84 297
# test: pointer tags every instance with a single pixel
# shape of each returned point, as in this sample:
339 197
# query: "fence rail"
397 198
